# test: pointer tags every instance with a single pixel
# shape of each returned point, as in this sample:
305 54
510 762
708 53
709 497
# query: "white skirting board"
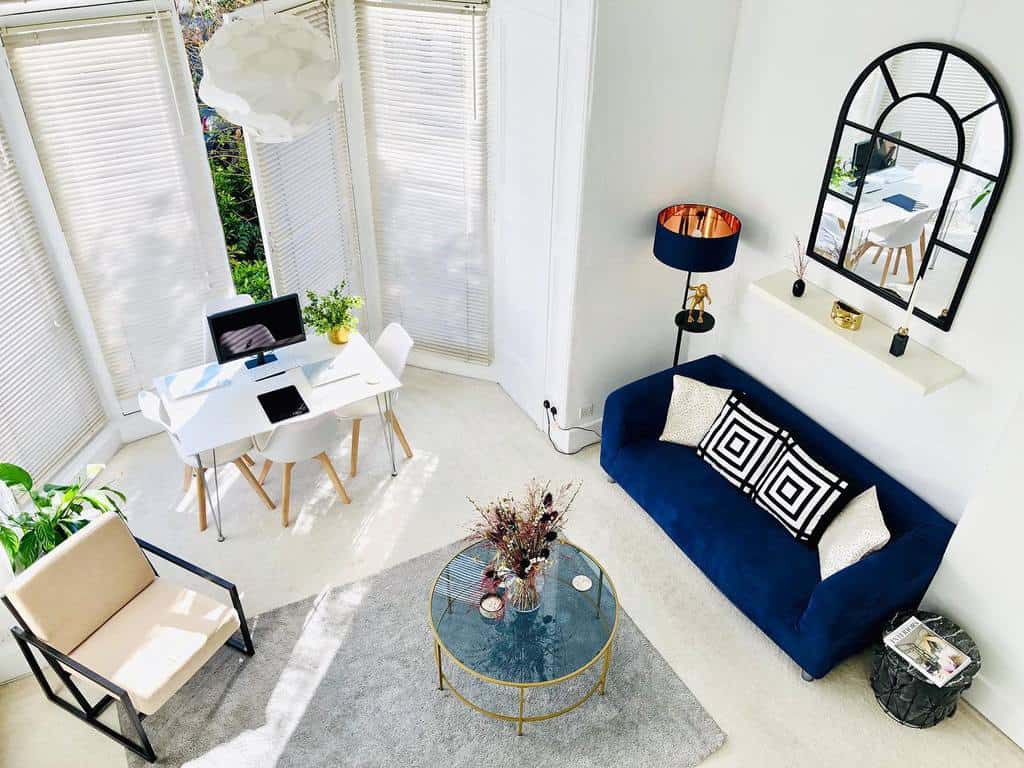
919 368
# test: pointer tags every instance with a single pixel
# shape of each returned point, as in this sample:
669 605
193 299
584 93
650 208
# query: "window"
304 193
110 109
48 405
424 77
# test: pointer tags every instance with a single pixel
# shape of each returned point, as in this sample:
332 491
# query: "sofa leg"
806 677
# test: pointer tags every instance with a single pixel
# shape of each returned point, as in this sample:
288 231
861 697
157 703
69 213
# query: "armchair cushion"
70 592
158 641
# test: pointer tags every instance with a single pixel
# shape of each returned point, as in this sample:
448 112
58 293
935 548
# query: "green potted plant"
56 512
332 313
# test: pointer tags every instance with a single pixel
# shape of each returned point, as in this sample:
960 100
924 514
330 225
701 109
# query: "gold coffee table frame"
605 653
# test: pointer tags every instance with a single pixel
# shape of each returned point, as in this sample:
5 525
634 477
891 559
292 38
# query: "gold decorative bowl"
846 317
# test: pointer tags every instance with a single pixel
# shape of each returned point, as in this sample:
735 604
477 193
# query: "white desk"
206 420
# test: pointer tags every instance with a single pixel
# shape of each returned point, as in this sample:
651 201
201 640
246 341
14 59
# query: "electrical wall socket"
587 411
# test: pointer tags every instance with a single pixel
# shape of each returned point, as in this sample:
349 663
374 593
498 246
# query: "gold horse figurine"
700 295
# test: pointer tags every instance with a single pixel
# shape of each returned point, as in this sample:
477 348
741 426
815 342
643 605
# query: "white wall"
659 82
979 583
792 66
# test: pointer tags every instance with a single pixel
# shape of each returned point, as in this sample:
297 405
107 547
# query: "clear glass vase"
523 594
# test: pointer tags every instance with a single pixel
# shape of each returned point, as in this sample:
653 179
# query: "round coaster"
581 583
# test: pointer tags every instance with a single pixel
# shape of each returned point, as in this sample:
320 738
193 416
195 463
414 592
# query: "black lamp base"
693 326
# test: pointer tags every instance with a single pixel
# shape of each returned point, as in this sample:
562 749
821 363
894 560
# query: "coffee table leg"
604 668
440 675
522 703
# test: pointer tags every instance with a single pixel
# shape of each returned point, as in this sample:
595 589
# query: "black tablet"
284 403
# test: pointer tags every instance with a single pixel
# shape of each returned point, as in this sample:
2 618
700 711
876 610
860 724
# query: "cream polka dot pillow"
856 532
692 410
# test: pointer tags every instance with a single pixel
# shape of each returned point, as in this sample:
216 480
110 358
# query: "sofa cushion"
692 410
68 593
158 641
856 532
801 493
748 555
741 444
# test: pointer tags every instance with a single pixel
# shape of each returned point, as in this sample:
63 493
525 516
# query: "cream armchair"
95 609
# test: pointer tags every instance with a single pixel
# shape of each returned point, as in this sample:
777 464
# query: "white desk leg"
215 508
389 433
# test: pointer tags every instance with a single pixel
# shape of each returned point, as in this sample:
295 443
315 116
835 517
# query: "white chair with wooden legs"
896 240
303 440
236 453
393 347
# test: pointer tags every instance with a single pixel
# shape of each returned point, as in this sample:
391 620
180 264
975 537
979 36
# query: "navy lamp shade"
695 238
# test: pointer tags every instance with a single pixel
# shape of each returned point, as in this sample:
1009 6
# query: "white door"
525 44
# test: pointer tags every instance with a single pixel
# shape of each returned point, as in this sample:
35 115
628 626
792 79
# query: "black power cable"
550 414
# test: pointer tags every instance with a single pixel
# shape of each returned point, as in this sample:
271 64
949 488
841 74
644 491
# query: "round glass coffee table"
568 634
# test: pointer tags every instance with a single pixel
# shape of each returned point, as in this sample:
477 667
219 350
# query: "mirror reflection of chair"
236 453
299 441
895 240
393 346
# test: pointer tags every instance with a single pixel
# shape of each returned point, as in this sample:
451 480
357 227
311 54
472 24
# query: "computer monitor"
255 329
884 155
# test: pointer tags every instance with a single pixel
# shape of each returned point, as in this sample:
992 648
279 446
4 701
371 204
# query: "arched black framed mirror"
918 163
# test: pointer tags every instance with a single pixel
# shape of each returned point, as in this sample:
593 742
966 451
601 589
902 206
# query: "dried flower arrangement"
522 532
800 258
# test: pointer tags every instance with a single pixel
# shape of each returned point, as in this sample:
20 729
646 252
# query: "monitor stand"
260 359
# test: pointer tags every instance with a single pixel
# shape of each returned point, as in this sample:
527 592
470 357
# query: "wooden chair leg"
885 267
188 478
329 469
400 434
910 265
251 479
286 492
878 252
248 460
355 447
201 492
896 265
265 471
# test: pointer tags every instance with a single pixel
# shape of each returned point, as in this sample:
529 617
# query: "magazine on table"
934 657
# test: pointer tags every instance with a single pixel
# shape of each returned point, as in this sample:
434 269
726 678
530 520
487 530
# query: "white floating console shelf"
919 367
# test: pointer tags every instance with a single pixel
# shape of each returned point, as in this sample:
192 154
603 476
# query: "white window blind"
49 407
304 196
108 105
424 77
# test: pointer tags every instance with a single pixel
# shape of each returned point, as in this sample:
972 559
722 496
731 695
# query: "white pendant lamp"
275 77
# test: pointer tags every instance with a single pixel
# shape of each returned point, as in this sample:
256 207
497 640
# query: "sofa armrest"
634 412
857 600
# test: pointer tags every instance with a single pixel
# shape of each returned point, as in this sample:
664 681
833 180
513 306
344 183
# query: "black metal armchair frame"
63 665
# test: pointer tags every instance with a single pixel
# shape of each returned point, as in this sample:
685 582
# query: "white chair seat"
158 641
363 409
225 454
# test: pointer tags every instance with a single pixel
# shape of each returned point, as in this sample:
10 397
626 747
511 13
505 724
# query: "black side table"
904 693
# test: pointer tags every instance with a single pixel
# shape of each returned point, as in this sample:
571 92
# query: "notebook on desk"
905 202
202 378
326 371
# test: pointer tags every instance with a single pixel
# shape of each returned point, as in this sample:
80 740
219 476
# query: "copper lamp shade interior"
696 238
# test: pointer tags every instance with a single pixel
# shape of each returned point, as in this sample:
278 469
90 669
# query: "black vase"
799 286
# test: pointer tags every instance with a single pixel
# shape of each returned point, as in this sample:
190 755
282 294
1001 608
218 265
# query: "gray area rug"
348 678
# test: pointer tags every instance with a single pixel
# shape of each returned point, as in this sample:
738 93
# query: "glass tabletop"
567 632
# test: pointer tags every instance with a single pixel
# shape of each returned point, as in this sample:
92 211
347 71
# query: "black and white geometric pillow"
801 493
741 444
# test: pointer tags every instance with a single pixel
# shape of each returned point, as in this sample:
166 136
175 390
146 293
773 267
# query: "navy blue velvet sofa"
771 577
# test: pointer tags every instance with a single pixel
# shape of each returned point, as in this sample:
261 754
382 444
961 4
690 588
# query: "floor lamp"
695 238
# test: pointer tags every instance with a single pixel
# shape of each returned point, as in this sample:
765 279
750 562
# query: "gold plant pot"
338 335
846 317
